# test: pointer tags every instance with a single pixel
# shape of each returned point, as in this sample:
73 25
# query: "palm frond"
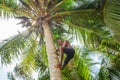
114 74
8 8
87 31
103 74
25 68
28 62
82 68
68 5
112 16
10 76
109 70
73 7
44 75
110 46
34 59
13 8
12 47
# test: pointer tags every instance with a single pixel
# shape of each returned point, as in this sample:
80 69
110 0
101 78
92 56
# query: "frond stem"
68 12
57 5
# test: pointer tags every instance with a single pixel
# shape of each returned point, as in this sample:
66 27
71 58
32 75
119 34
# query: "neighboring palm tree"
42 17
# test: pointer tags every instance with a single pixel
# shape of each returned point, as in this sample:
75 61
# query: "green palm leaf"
11 48
112 16
10 76
28 63
7 9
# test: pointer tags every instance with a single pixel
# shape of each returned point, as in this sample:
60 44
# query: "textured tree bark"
55 73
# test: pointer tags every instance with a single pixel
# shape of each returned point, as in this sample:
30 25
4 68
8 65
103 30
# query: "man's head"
59 41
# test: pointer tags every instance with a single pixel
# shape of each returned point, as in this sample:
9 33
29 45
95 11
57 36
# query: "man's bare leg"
61 57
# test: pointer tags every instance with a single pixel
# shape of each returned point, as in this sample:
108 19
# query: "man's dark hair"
60 39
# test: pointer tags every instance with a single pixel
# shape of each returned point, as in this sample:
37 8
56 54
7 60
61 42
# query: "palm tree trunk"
55 73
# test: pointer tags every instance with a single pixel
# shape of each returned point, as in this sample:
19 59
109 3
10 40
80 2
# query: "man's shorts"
69 51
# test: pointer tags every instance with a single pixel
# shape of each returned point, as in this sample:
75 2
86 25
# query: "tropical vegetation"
92 24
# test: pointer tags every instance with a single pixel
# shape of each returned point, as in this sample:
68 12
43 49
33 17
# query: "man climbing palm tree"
65 47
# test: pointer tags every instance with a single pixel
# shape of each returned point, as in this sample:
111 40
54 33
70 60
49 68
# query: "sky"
8 28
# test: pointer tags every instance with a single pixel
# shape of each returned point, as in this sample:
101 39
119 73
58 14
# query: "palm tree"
40 17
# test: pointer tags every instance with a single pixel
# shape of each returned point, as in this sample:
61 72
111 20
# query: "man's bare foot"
59 66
